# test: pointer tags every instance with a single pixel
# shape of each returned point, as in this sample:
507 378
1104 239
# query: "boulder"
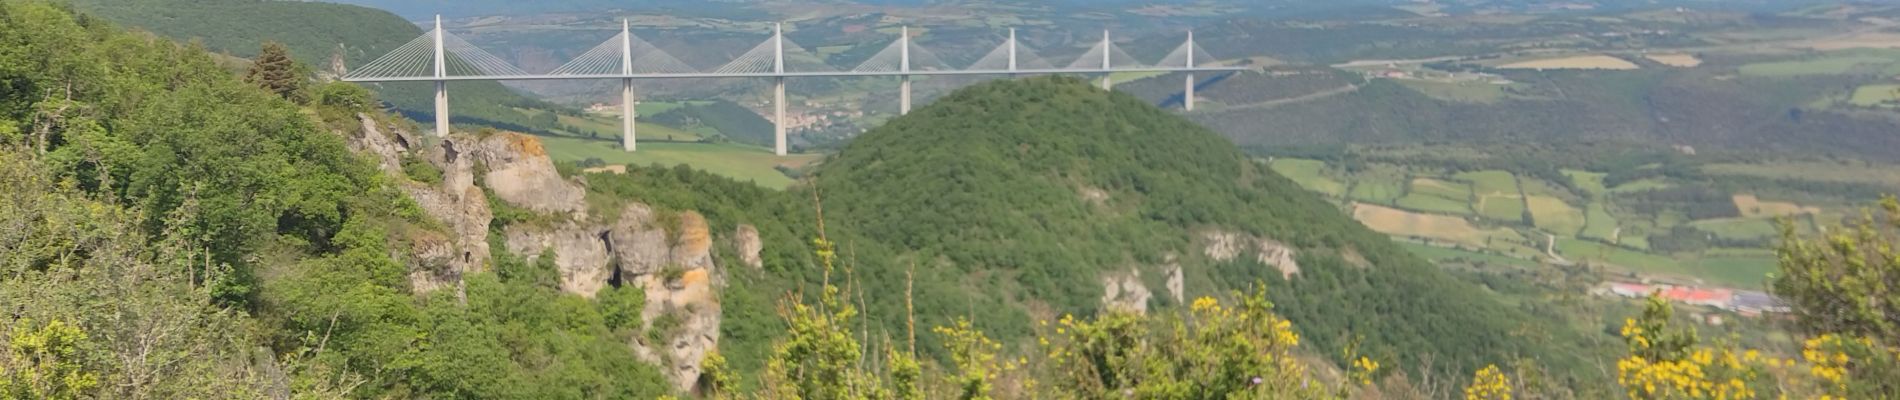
520 173
638 243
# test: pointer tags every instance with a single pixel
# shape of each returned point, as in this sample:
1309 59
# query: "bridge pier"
1108 77
903 65
441 86
627 115
1188 100
778 102
441 108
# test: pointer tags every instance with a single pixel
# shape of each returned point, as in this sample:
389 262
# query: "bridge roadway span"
427 59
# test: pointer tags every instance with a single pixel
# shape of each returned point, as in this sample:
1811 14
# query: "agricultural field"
598 127
1737 228
1683 60
1382 191
1553 215
741 162
1497 193
1503 208
1398 222
1433 212
1439 254
1585 250
1881 95
1823 171
1441 196
1598 223
1590 61
1753 207
1641 185
1309 174
1825 65
1464 91
1491 182
1590 182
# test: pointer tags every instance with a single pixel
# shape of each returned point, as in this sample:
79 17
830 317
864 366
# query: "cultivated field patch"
1737 228
1822 171
1675 59
1753 207
1590 182
1307 173
740 162
1553 215
1591 61
1376 190
1394 221
1882 95
1490 182
1504 208
1831 65
1598 223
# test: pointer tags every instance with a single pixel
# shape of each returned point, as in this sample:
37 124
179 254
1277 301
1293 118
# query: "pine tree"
275 71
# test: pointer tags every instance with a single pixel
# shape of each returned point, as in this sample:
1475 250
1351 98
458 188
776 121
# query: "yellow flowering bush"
1212 352
1851 368
1489 384
1665 363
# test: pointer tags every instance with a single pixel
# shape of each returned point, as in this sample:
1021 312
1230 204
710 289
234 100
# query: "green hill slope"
315 32
1024 195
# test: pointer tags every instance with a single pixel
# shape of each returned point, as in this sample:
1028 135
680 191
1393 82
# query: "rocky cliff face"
437 260
746 241
579 252
1124 292
1224 246
519 172
675 267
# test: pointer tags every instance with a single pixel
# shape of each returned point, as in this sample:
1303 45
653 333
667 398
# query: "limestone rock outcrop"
680 280
520 173
746 241
1225 246
639 242
671 259
436 260
1124 292
579 253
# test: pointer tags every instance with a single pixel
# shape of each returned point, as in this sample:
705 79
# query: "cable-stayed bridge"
441 57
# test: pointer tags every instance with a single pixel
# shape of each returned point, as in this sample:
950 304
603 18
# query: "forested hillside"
1025 195
316 32
176 232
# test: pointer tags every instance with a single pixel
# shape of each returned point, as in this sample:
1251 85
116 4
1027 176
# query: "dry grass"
1394 221
1589 61
1675 59
1755 208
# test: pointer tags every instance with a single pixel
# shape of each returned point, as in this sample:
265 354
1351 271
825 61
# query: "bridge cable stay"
890 59
999 59
1094 59
410 59
469 60
608 57
1187 55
